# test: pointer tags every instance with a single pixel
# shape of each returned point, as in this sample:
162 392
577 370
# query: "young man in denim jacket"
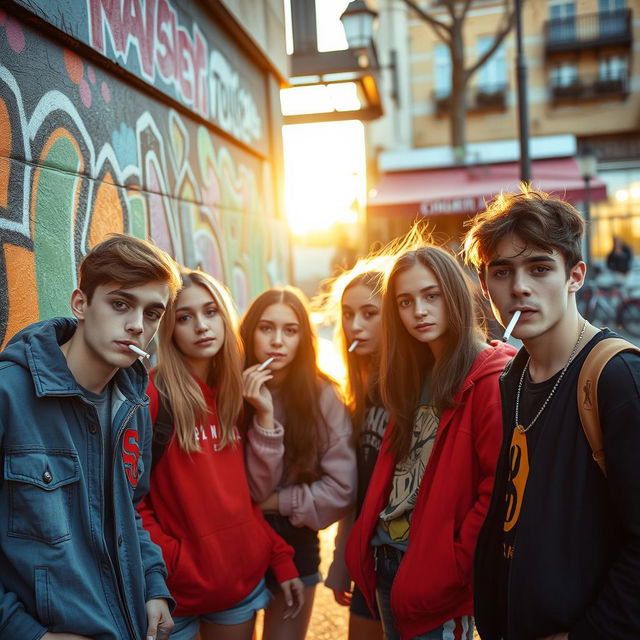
75 442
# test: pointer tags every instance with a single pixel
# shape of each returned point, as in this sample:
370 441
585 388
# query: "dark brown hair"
535 218
302 386
406 361
129 262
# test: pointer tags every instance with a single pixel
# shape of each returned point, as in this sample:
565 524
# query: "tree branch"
499 37
441 29
465 8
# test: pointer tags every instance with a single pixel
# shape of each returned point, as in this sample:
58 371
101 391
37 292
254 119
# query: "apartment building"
583 79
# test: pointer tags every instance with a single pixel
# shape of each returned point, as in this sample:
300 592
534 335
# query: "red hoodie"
433 583
215 542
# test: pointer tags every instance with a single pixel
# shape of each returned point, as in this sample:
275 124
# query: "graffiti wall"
84 152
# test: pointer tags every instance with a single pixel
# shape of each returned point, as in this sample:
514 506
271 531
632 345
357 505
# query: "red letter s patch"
131 455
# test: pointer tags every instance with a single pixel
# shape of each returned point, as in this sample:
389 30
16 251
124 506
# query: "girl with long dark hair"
300 458
412 546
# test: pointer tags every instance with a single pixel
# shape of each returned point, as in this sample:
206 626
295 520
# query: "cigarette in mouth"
266 363
139 351
511 325
353 346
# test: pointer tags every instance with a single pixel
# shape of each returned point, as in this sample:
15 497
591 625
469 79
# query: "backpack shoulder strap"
587 391
162 431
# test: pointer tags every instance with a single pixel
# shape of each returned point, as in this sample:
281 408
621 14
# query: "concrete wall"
124 115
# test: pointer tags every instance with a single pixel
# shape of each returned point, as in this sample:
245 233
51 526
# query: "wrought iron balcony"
486 97
590 30
587 89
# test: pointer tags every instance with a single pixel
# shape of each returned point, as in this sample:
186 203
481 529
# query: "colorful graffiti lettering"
150 36
82 155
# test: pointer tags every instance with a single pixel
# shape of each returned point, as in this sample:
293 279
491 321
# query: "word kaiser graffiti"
148 38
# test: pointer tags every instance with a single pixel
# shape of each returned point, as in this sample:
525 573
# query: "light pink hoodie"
320 503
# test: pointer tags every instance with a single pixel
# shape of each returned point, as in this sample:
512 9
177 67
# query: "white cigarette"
139 351
353 346
511 325
266 363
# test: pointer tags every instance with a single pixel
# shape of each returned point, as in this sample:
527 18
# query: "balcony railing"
584 89
590 30
489 97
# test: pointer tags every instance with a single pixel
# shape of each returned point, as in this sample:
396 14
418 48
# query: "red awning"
465 190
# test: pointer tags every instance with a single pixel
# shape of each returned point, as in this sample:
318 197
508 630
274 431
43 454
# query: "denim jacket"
57 572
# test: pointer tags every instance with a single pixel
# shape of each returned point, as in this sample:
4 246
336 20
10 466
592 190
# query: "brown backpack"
587 390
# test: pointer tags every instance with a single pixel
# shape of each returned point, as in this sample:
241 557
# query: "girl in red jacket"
301 462
412 545
215 542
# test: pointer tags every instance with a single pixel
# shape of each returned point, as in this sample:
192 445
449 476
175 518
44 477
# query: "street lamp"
357 20
587 162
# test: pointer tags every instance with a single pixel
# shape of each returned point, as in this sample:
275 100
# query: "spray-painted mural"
82 154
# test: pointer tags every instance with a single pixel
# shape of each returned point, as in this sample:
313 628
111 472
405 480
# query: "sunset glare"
324 174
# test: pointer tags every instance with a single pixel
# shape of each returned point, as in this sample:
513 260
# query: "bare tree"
450 31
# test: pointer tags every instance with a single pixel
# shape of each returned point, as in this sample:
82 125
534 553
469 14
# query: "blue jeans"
387 564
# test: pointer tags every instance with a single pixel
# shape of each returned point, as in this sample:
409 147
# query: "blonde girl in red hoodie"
301 462
215 541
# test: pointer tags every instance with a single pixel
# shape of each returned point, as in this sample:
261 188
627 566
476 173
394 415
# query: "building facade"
583 79
158 118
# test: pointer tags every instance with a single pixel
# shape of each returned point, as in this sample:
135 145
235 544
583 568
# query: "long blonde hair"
181 390
362 379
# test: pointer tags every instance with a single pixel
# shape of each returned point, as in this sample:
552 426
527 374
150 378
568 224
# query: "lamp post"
587 162
523 106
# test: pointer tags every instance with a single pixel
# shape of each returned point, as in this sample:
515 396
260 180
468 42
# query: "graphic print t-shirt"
520 454
395 520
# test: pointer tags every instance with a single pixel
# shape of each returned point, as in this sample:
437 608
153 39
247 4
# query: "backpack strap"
162 431
587 391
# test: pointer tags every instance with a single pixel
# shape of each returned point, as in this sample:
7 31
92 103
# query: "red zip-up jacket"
215 542
434 581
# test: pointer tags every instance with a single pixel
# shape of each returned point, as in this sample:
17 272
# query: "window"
493 73
442 70
564 74
612 67
563 21
610 5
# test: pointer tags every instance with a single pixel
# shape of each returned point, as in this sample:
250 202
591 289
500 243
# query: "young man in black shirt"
558 557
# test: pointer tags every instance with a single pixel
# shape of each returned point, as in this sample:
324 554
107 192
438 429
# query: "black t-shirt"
521 452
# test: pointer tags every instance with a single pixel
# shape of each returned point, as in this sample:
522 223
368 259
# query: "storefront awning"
465 190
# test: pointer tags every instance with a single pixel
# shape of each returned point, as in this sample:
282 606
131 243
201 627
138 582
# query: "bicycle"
603 304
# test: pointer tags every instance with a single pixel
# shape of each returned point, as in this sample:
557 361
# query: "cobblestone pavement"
329 621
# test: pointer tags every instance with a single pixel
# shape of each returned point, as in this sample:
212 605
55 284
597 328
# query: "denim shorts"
187 627
387 562
359 606
306 547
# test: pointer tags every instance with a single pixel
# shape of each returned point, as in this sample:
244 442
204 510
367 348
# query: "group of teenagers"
181 503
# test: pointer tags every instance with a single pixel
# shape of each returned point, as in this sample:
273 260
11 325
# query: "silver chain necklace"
519 427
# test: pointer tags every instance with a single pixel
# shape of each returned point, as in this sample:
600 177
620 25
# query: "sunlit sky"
325 169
